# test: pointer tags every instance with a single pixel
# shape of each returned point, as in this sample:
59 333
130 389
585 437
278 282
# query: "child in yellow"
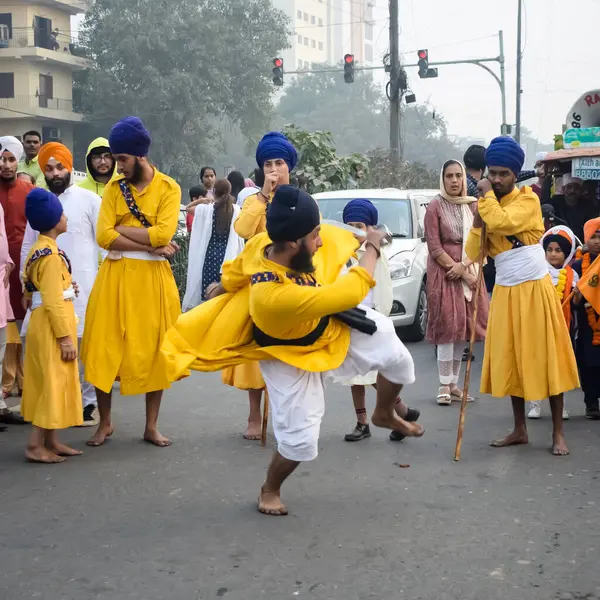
51 390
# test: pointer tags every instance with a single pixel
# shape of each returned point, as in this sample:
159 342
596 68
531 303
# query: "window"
306 41
320 22
299 14
306 65
314 43
306 17
320 45
368 31
46 90
299 39
7 85
299 63
6 19
313 20
368 53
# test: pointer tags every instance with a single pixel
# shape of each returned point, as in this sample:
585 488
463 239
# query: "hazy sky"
560 60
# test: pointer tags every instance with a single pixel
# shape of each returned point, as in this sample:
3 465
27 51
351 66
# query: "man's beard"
137 174
302 262
58 185
9 178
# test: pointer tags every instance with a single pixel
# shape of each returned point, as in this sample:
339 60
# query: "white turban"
11 144
568 178
540 156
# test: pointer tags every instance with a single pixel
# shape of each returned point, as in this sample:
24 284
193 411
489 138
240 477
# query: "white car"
402 211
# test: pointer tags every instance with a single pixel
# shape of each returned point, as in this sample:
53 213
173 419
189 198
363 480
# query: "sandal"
457 396
444 398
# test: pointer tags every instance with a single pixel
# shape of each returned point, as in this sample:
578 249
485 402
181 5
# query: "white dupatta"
199 239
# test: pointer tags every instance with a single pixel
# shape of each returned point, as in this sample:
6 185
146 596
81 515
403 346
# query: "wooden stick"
265 419
568 298
465 395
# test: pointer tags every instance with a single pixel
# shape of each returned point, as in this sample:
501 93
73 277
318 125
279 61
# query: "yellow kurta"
251 221
133 302
528 351
51 390
219 333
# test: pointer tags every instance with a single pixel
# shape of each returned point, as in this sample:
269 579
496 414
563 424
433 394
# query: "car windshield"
394 213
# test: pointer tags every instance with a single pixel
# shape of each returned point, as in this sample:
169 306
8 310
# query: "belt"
36 297
134 254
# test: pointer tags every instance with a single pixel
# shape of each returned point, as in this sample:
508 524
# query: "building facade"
38 57
351 30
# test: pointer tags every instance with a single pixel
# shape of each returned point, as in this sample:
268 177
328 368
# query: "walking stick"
465 395
265 419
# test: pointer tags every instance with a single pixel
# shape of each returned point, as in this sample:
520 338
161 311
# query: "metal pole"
504 127
394 80
519 62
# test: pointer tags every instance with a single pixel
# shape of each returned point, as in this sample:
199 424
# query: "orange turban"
590 228
58 152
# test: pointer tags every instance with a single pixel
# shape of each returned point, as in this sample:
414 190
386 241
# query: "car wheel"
416 332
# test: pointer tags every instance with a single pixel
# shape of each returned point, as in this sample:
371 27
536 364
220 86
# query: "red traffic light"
422 54
349 59
278 62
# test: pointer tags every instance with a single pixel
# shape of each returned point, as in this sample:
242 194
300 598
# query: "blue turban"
291 215
129 136
361 210
42 209
505 152
276 145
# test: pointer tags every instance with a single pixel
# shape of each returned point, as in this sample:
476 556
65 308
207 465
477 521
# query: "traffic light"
424 71
349 68
278 72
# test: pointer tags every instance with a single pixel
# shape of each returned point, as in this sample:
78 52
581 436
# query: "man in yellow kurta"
528 352
134 299
276 157
276 305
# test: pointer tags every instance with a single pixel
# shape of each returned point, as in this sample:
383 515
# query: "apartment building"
38 56
351 30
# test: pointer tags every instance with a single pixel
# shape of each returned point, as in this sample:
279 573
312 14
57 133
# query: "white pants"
449 359
296 397
88 391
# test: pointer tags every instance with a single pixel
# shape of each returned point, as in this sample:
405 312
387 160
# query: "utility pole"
519 64
394 80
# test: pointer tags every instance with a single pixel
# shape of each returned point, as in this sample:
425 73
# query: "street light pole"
394 80
504 126
519 64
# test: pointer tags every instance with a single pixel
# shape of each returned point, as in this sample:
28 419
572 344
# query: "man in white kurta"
79 243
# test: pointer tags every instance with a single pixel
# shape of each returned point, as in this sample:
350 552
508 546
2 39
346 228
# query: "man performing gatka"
278 306
528 352
134 299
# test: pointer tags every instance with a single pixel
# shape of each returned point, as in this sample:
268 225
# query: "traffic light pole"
519 65
395 94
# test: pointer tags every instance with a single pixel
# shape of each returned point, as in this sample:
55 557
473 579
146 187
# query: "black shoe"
3 428
8 417
465 357
88 412
592 413
360 433
412 416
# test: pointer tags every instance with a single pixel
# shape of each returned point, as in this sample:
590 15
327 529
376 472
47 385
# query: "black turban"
291 215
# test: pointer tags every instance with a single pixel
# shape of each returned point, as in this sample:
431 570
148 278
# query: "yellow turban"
58 152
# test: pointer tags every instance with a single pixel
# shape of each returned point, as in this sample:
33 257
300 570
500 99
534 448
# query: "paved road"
129 521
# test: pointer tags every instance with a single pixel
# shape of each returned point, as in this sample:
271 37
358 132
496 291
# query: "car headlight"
401 265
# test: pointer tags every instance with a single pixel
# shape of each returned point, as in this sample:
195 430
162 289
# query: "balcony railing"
31 37
32 103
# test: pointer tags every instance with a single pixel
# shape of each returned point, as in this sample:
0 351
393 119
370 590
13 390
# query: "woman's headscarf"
463 198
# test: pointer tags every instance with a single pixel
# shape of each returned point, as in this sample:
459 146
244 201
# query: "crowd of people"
275 299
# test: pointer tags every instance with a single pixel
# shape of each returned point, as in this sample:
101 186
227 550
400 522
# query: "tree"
357 116
385 171
178 64
319 168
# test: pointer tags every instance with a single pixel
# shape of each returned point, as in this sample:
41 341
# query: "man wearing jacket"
99 165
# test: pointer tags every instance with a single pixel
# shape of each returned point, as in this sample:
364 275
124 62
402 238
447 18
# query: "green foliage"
357 116
386 171
179 65
319 168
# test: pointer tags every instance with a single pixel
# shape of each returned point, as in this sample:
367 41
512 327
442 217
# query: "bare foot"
559 446
513 439
269 503
64 450
253 432
42 455
395 423
155 437
103 432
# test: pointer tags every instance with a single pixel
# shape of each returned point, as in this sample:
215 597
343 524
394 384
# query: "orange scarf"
593 318
570 274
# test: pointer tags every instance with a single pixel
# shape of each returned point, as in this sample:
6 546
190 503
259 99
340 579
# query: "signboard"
586 168
585 112
588 137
